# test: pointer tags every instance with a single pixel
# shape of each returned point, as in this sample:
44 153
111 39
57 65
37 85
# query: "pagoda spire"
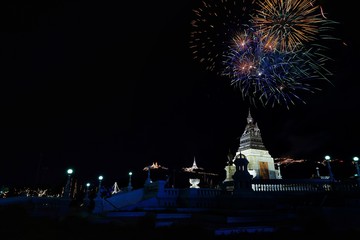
249 118
251 137
194 166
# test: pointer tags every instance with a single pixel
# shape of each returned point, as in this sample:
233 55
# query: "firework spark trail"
322 12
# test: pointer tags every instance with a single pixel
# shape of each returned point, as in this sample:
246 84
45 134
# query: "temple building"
261 164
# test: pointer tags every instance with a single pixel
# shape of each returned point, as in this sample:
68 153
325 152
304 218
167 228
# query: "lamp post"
129 186
317 172
148 180
86 200
278 171
99 192
356 160
87 189
327 158
67 189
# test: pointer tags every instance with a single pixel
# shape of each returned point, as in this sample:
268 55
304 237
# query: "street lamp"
356 160
100 179
68 183
327 158
129 186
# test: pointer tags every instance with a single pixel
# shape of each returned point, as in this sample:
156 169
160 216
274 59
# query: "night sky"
108 87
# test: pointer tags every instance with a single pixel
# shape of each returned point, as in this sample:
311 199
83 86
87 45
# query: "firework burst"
290 23
214 24
264 73
270 49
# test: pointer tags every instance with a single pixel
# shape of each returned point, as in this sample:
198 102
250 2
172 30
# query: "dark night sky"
107 87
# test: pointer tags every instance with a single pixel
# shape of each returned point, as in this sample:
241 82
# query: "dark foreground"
16 224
